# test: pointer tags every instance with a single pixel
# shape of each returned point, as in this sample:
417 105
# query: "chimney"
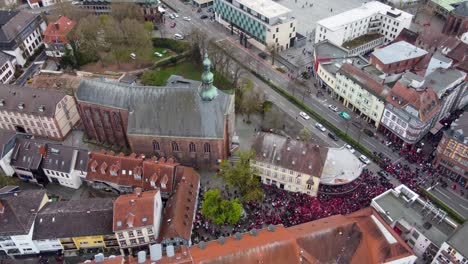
2 207
138 191
56 26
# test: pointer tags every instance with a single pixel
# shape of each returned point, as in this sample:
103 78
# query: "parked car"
384 175
178 36
364 159
320 127
351 149
157 54
333 136
333 108
304 115
262 55
171 16
176 15
187 19
368 132
344 115
204 17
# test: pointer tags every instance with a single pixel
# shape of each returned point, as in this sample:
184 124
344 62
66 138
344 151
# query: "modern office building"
364 27
263 23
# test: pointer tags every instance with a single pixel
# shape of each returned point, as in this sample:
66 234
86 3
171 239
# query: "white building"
369 19
17 215
65 165
21 34
417 221
137 219
7 67
265 22
455 249
7 144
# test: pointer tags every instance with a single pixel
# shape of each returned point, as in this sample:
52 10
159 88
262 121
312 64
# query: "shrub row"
454 215
175 45
171 60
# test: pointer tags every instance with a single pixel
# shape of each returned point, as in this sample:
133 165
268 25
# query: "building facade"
65 165
186 120
454 249
148 8
410 111
43 113
22 34
288 164
27 159
457 20
397 57
372 18
7 67
360 92
266 24
137 219
56 40
451 156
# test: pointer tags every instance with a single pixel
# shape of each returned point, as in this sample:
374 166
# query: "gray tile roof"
4 57
82 158
26 153
459 129
58 158
19 212
32 98
441 79
398 51
462 10
13 22
74 218
174 110
8 140
458 239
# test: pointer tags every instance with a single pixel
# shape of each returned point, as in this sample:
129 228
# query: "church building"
188 120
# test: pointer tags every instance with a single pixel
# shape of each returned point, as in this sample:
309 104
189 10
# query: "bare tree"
274 119
121 11
272 50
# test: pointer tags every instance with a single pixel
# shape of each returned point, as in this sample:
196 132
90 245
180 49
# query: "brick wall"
397 67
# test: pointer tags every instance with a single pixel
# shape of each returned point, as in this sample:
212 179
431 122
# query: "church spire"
207 90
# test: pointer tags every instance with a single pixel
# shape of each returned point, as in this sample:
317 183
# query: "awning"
438 126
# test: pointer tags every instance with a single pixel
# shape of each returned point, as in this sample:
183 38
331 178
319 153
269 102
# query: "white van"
178 36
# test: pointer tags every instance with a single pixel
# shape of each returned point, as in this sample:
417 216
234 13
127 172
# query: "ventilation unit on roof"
170 251
254 232
271 228
141 257
202 245
21 105
41 108
155 252
2 102
238 236
221 240
54 151
99 258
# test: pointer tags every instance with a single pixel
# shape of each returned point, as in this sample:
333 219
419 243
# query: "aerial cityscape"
234 131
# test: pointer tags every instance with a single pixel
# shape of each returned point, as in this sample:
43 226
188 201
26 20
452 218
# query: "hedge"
452 213
175 45
171 60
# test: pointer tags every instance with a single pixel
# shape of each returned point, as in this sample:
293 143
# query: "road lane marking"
464 207
448 197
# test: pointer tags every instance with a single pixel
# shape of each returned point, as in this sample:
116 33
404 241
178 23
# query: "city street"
452 199
28 72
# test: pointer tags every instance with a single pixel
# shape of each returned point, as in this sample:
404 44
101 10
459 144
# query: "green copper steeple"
207 90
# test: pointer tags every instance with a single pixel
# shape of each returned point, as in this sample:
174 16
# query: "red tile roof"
364 80
132 171
424 101
181 206
134 210
56 32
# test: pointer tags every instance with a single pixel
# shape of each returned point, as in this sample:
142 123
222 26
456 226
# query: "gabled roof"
56 32
365 81
31 101
28 153
61 158
134 210
13 22
74 218
461 9
174 110
290 154
19 212
181 206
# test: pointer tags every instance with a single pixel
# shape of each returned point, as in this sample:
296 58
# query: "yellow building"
289 164
76 224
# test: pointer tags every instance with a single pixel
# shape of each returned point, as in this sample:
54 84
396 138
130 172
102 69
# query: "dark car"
333 136
262 55
384 175
368 132
204 17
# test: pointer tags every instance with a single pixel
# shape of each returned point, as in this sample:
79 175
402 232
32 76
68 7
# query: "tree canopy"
241 176
219 210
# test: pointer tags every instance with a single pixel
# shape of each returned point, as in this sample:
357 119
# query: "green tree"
218 210
305 135
241 176
234 212
6 180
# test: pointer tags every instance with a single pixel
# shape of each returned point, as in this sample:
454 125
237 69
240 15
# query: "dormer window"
103 168
2 102
21 105
41 108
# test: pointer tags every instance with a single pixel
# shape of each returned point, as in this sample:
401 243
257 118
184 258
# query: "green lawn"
165 52
186 69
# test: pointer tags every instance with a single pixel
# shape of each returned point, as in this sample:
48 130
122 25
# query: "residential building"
443 7
74 225
33 4
56 40
17 214
451 155
149 8
364 27
397 57
137 219
454 249
193 122
21 34
457 20
449 85
180 210
27 158
410 110
123 174
417 221
43 113
360 92
263 23
202 3
65 165
288 164
7 67
7 145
